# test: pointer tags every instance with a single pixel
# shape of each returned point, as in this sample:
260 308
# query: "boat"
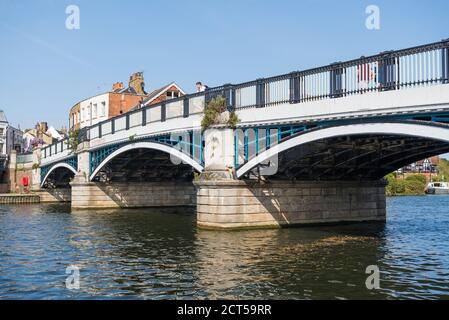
437 188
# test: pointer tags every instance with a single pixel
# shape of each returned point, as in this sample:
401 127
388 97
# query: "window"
2 131
103 109
83 114
94 111
172 94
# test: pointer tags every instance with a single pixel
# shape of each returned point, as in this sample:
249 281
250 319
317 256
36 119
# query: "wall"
75 117
122 102
88 116
113 195
240 204
54 195
16 178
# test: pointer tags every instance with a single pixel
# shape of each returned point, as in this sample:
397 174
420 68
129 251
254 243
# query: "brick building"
118 101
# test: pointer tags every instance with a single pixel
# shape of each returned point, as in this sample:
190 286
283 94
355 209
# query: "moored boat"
437 188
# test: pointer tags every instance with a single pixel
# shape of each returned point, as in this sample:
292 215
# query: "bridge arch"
148 145
56 167
404 129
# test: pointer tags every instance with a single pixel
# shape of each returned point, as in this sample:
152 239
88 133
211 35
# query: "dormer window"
172 95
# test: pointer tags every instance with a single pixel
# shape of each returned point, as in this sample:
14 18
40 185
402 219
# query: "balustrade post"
336 81
186 107
387 77
229 95
260 93
127 121
144 117
445 64
295 87
163 112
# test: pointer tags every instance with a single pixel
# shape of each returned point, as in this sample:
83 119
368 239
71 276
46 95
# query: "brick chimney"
117 86
136 82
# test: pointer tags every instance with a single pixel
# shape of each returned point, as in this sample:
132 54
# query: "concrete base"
237 204
54 195
93 195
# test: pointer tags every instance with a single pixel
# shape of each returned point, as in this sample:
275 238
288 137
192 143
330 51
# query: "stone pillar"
219 153
273 204
80 182
224 202
12 164
36 171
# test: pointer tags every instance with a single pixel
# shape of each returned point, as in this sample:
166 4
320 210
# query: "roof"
156 93
3 117
126 90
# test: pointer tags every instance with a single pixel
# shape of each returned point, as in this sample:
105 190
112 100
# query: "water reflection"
160 254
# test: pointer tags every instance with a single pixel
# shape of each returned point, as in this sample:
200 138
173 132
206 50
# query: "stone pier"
235 204
95 195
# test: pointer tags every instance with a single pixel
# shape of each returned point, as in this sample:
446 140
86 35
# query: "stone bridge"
310 146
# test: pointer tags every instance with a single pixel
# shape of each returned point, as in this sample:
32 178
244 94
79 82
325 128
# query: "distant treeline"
414 184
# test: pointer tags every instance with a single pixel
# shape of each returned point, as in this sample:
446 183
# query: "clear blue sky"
45 68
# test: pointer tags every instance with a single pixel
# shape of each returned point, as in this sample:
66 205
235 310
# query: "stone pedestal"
36 172
234 204
95 195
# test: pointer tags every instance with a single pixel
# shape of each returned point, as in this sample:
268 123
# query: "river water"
160 254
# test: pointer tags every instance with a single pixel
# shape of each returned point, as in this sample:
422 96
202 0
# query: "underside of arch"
58 176
146 161
351 152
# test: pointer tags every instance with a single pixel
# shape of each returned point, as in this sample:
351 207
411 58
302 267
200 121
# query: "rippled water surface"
160 254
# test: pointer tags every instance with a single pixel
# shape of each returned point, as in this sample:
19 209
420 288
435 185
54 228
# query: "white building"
94 110
10 137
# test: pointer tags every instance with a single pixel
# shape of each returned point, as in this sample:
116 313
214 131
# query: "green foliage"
36 166
132 138
411 185
233 120
73 141
214 108
443 170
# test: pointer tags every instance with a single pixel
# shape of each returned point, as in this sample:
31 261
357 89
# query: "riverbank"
411 184
14 198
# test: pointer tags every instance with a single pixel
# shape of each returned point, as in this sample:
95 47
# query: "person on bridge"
201 87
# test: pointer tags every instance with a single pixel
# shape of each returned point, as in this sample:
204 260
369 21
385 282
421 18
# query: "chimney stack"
136 81
117 86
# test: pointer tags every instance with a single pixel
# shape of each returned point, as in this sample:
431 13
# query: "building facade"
11 138
118 101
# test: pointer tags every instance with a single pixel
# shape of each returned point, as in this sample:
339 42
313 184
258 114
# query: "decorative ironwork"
186 142
250 142
72 161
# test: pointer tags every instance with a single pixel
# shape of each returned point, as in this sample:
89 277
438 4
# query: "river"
160 254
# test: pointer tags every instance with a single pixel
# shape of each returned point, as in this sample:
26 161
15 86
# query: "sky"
46 68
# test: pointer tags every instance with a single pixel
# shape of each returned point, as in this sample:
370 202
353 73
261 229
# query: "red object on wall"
25 181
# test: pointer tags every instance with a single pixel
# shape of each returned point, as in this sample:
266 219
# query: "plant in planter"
73 141
216 113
